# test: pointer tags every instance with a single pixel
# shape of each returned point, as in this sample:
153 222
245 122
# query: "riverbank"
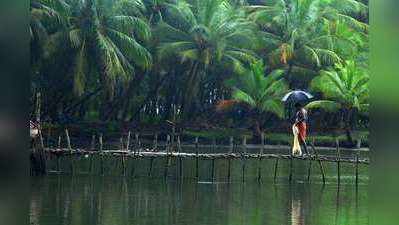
82 134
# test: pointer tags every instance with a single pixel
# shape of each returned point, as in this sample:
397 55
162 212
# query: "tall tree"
307 35
104 45
259 93
345 90
203 35
45 15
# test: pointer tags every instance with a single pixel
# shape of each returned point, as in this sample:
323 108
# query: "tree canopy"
147 61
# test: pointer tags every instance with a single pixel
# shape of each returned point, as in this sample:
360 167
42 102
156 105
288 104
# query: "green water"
114 200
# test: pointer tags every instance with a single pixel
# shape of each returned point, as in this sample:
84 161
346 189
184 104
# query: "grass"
273 138
220 134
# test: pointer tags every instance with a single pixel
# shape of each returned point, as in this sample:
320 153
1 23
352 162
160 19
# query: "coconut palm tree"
259 93
155 9
345 90
305 34
204 35
104 41
44 12
44 15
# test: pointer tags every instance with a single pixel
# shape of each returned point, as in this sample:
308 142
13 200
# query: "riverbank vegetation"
140 63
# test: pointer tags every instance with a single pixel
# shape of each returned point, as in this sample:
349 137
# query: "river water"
112 199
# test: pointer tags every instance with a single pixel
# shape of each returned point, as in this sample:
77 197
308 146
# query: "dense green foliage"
345 91
260 94
147 61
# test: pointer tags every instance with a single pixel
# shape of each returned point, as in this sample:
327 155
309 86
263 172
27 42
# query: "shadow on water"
95 200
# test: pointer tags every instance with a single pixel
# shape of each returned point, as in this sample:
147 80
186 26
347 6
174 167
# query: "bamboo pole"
58 164
151 165
59 142
48 136
133 170
244 146
228 170
196 158
166 170
178 144
167 160
309 167
357 168
275 170
100 140
231 144
213 170
68 140
180 158
213 160
168 144
38 106
123 156
128 141
260 158
91 164
41 153
338 160
126 160
38 112
180 167
320 162
70 150
231 148
119 149
155 141
137 150
92 147
93 141
213 144
58 156
41 138
121 144
124 165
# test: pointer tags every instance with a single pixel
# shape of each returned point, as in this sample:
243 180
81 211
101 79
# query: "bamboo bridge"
172 149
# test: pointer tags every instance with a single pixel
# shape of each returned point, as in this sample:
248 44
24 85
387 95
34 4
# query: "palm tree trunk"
258 130
348 127
190 90
349 137
83 100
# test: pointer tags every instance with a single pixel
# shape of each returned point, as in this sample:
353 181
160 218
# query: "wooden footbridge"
172 149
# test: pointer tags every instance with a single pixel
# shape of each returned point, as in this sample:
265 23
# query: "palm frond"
131 48
79 71
274 106
241 96
130 24
169 49
329 106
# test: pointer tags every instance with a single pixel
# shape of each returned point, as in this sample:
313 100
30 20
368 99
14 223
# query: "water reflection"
113 200
296 213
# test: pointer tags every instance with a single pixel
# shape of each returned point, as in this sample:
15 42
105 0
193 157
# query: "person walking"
301 118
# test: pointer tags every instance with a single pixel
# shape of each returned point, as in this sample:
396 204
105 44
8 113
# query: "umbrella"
297 96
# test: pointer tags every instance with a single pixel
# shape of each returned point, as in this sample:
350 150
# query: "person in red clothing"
301 118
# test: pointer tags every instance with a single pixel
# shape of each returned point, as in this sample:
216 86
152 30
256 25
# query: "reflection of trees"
337 207
119 201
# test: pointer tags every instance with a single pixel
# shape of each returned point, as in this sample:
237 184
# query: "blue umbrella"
297 96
